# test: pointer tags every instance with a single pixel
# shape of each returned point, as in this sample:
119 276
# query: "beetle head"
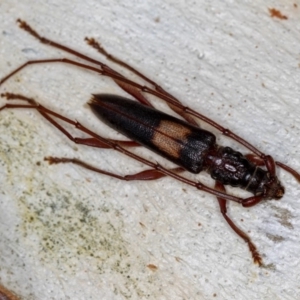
273 188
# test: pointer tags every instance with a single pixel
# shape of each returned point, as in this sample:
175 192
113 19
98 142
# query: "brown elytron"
182 142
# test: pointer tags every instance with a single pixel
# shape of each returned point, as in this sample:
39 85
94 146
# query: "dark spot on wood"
275 13
152 267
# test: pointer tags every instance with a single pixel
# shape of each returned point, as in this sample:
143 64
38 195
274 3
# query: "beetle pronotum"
180 141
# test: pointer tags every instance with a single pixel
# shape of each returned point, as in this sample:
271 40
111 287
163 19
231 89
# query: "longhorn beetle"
180 141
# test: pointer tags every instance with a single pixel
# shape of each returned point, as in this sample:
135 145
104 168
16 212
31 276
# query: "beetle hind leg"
150 174
45 112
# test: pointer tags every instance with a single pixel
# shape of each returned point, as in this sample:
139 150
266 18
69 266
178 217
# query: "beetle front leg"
266 160
251 201
269 162
223 208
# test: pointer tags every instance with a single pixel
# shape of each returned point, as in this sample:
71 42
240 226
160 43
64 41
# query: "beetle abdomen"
174 139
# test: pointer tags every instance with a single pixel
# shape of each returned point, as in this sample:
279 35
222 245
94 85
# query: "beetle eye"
279 193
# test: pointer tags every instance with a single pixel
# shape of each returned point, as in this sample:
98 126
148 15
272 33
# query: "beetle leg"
251 201
134 91
266 161
150 174
223 208
255 159
261 162
32 104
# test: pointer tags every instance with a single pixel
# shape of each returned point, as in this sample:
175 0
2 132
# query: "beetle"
181 141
